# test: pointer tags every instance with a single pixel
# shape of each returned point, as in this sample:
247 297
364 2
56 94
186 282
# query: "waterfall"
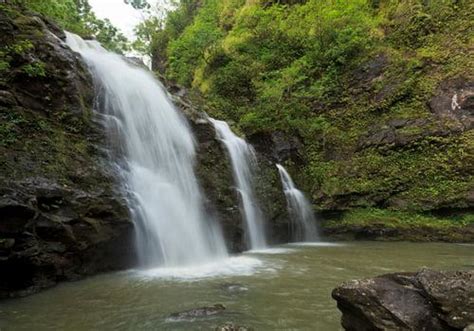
243 159
303 222
157 153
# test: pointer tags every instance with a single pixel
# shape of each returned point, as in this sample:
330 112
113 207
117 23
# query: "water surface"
280 289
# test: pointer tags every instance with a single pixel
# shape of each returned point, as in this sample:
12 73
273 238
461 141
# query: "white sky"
122 16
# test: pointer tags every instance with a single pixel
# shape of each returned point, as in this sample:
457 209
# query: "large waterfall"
243 159
157 151
303 222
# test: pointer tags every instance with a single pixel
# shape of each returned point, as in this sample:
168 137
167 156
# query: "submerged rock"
229 326
194 313
425 300
233 288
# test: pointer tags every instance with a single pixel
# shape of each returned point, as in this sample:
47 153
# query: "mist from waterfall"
156 151
244 161
303 223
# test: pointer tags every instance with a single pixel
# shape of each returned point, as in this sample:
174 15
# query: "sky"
122 16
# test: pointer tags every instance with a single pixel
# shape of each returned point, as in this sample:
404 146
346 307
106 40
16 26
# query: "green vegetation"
397 219
77 16
35 69
335 74
383 224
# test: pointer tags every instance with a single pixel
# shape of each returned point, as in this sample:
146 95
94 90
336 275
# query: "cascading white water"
303 222
243 159
158 153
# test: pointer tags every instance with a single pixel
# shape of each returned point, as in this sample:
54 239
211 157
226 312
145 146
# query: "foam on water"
318 244
232 266
271 250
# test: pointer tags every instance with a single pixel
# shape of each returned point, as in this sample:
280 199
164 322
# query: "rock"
62 216
234 288
222 198
6 243
194 313
426 300
452 293
454 101
229 326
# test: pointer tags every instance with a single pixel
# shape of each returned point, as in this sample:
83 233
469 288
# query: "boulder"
425 300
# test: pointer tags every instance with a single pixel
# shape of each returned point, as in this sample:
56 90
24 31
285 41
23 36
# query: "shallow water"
285 288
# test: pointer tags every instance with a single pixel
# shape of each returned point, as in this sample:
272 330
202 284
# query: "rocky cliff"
61 215
378 97
214 170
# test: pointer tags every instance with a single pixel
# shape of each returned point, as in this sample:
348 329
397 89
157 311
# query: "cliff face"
61 215
214 171
379 95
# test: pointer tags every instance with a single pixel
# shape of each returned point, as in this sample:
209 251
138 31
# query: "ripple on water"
318 244
271 250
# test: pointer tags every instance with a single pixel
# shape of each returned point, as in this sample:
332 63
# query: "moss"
338 85
397 219
10 128
35 69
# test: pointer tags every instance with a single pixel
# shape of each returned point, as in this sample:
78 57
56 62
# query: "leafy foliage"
138 4
77 16
326 71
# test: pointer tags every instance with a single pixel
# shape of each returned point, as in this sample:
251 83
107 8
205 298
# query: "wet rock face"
452 107
454 101
61 215
215 176
426 300
214 172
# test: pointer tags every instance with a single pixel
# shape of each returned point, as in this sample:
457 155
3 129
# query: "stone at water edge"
425 300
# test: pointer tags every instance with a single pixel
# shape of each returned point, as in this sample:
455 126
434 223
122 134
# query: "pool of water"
284 288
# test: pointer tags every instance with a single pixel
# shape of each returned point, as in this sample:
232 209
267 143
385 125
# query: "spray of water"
157 151
303 222
243 159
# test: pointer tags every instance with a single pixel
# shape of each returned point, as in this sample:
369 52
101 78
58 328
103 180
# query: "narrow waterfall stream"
303 222
243 159
158 152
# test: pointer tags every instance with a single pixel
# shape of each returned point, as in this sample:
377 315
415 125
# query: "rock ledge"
425 300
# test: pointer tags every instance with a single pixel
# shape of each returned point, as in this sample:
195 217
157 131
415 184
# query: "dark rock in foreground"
426 300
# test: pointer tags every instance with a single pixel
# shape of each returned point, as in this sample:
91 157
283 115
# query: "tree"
138 4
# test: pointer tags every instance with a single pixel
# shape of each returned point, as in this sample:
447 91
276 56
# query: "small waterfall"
157 152
243 159
303 222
